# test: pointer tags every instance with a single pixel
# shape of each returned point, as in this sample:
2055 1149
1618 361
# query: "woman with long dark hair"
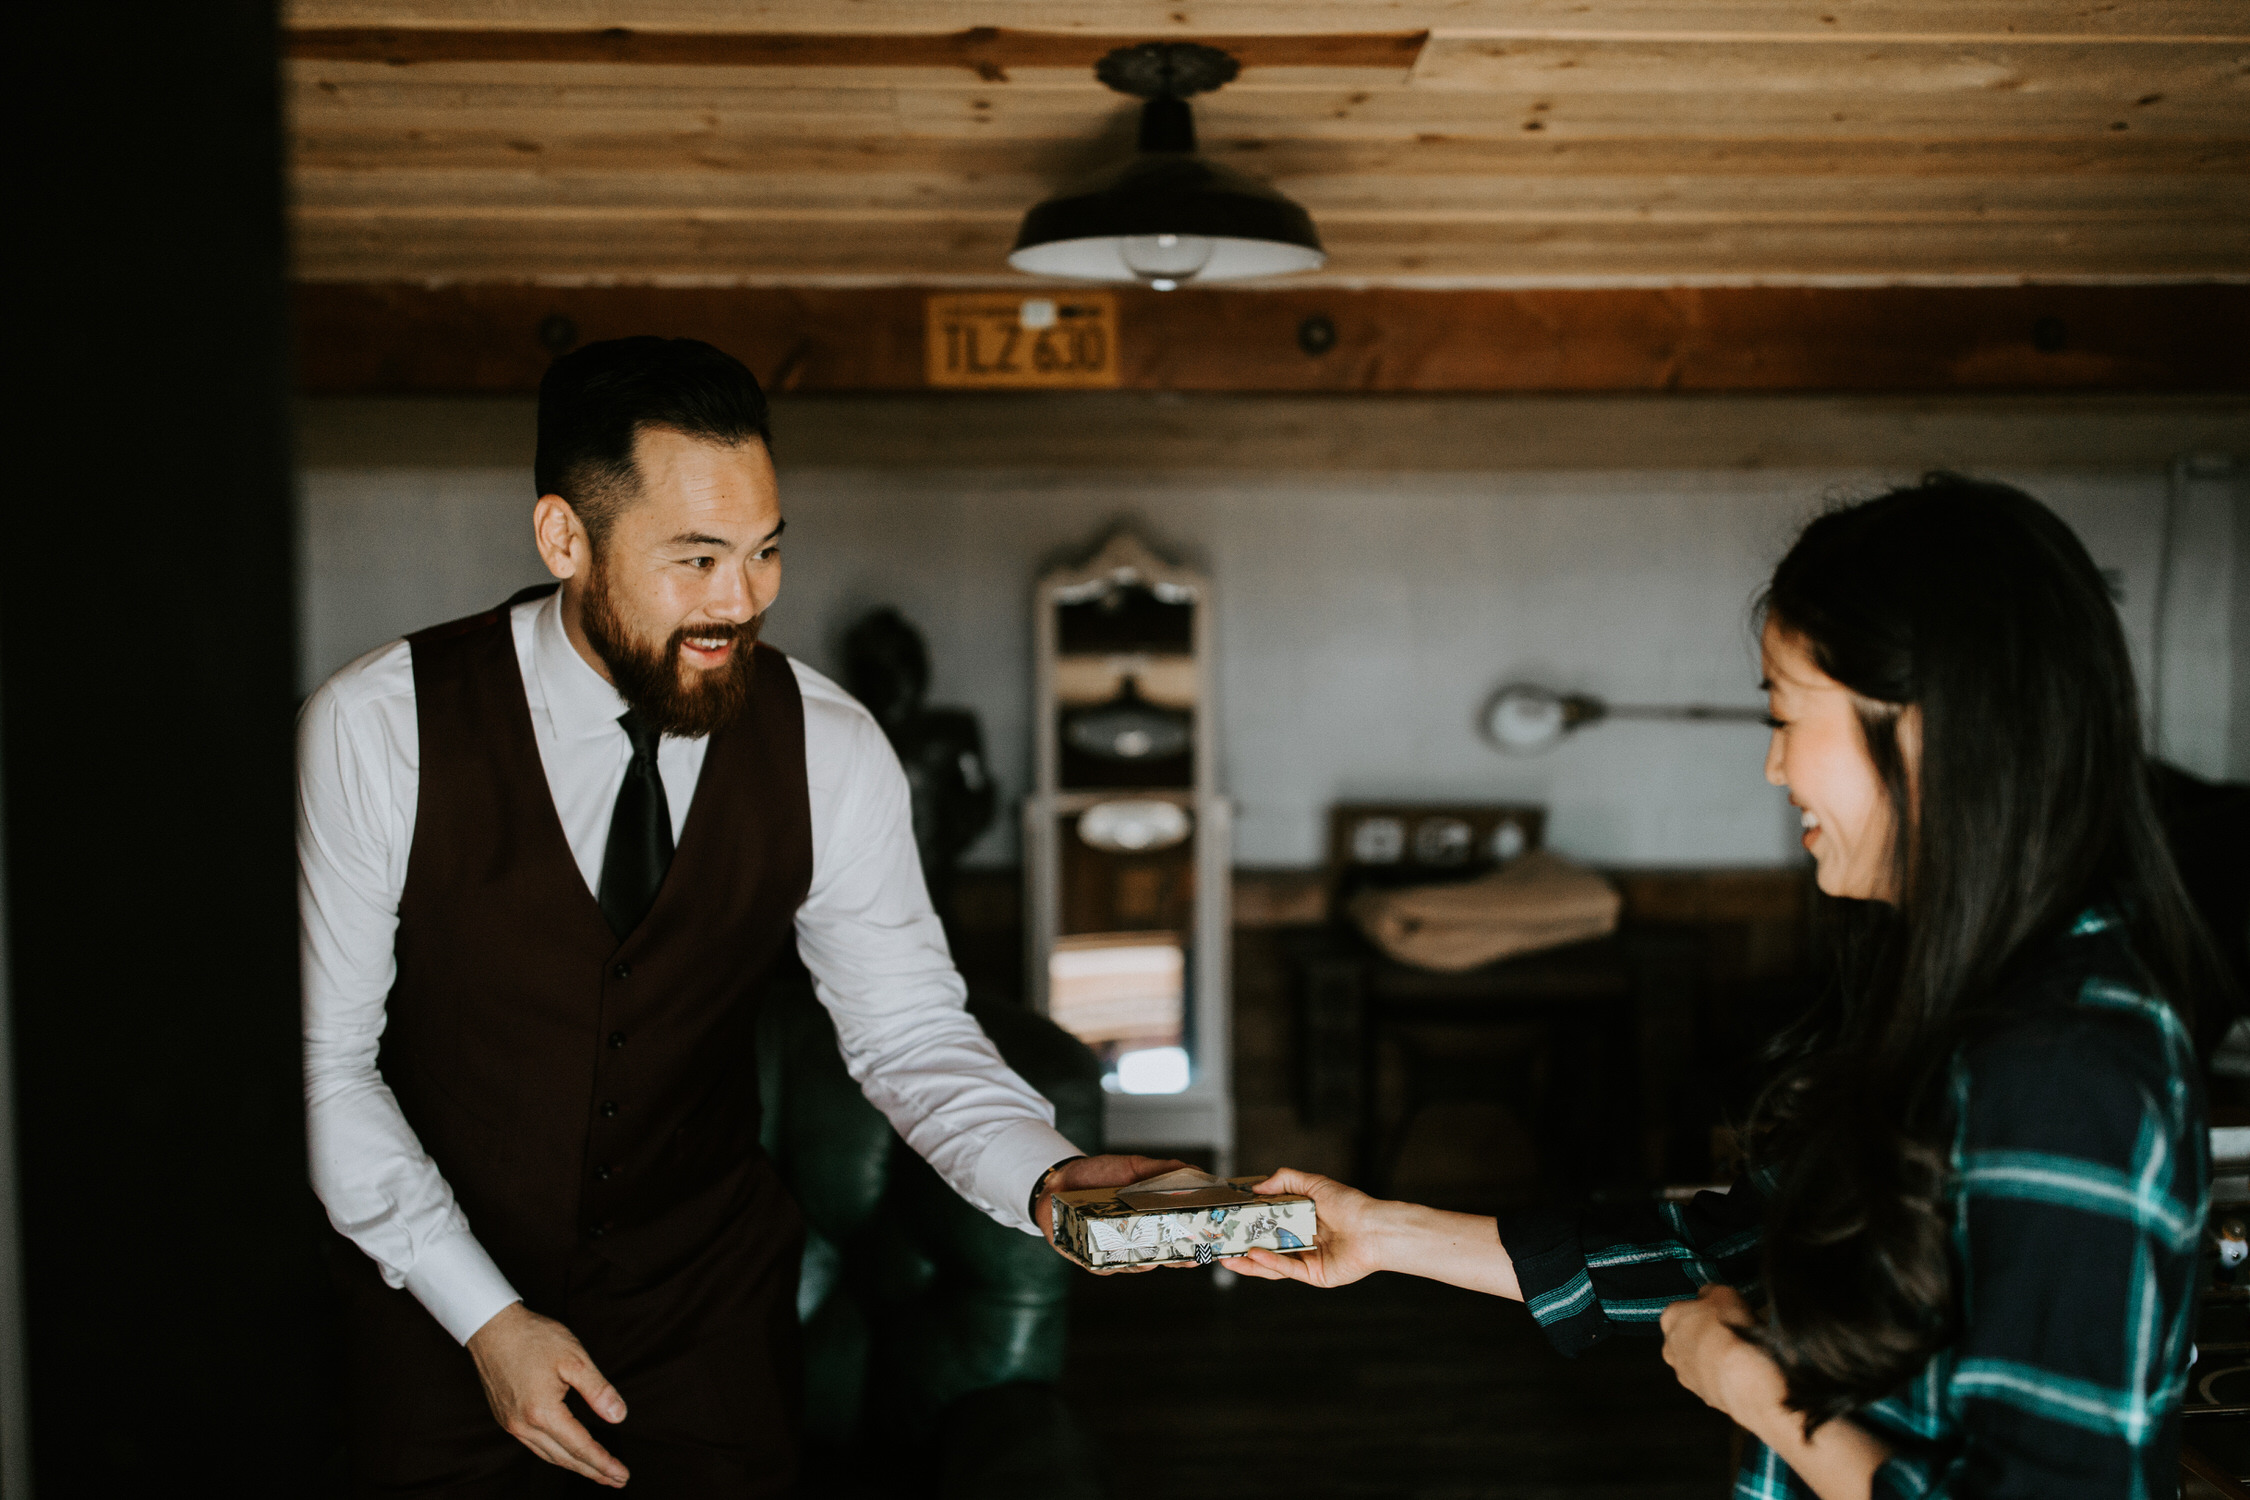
1961 1262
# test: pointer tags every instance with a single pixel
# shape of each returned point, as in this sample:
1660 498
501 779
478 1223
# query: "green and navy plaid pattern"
2080 1179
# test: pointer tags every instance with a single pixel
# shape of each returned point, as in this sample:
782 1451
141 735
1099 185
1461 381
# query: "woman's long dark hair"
1972 602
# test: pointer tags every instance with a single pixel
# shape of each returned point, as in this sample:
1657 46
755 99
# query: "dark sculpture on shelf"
887 668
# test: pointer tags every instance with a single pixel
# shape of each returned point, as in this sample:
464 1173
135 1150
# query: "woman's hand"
1359 1235
1347 1248
1713 1360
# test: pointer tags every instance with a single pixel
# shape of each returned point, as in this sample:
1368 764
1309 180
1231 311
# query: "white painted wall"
1363 618
2238 611
2200 589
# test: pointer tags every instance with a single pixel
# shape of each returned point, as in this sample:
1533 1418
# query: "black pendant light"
1167 215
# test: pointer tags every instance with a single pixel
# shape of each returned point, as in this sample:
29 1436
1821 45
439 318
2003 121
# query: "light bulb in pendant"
1166 260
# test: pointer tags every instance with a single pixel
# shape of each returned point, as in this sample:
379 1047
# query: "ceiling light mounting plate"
1167 70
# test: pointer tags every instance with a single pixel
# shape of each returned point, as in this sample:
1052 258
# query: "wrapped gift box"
1181 1216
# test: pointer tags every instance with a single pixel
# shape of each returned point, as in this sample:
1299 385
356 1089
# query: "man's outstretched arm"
880 965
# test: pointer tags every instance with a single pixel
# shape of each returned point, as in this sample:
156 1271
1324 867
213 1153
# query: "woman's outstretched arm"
1360 1235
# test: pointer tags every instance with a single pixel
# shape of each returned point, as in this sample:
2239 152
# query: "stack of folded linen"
1539 901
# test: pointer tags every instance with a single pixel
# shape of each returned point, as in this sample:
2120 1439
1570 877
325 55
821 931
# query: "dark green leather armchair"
933 1336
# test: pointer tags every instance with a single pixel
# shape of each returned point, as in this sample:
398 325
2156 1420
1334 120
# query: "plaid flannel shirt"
2080 1179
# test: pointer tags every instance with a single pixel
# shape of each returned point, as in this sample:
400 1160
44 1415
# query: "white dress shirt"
877 954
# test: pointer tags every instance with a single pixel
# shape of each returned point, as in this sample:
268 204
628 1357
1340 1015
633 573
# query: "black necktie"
640 834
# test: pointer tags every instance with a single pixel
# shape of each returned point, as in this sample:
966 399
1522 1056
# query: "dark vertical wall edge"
15 1398
174 1307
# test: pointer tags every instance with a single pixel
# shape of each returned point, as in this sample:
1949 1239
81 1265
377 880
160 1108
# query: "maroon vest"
593 1103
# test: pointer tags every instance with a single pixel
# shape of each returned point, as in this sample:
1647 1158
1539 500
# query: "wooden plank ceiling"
1477 142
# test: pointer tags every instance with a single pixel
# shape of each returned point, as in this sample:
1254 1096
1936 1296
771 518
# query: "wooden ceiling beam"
1155 19
396 340
1133 432
755 246
375 153
517 192
1577 105
989 52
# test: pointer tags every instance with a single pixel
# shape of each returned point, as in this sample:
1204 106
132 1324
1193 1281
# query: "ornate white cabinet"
1127 845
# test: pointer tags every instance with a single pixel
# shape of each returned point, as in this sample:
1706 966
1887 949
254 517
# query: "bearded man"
548 854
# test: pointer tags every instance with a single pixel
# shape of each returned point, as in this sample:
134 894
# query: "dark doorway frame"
171 1296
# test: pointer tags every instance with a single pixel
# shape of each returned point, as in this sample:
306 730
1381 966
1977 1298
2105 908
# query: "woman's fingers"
1300 1267
1728 1302
1681 1318
1713 1298
1699 1339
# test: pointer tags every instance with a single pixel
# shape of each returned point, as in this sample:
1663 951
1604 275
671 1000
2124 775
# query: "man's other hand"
1097 1172
528 1363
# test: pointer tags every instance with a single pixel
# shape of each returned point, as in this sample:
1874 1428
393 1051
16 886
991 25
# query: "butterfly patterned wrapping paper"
1181 1216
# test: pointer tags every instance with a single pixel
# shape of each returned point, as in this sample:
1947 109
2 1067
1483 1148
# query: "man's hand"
1096 1172
1347 1248
527 1363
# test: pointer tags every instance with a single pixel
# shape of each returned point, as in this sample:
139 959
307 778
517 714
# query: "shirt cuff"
1551 1274
1012 1165
459 1284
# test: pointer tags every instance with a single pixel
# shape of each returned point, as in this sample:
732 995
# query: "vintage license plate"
1001 341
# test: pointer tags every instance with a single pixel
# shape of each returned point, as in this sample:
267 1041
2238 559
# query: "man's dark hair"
594 401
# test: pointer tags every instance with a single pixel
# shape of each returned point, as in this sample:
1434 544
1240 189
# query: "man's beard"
650 678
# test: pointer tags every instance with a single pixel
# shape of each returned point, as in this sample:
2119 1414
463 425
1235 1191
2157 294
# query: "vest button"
623 971
598 1230
617 1039
609 1109
603 1172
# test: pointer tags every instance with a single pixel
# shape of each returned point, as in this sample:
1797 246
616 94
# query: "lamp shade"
1084 230
1166 216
